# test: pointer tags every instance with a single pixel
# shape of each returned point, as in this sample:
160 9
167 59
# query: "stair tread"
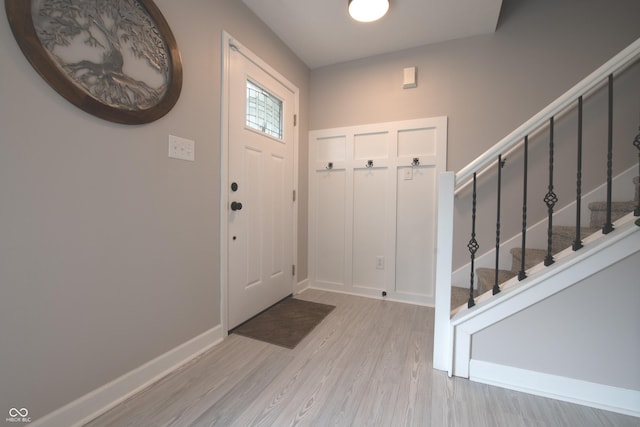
533 257
565 235
615 206
486 270
487 277
570 230
459 296
618 210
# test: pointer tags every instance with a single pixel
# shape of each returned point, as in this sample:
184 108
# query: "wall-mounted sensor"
410 78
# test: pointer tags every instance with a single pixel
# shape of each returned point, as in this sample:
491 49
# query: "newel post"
442 337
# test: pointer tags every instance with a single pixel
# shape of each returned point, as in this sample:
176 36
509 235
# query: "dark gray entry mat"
286 323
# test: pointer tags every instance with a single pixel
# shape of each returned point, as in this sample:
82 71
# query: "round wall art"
117 60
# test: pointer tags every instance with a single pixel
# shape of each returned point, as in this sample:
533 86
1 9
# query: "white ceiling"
321 32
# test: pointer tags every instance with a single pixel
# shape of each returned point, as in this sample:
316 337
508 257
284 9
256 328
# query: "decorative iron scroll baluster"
522 274
577 243
550 199
496 288
608 226
636 143
473 243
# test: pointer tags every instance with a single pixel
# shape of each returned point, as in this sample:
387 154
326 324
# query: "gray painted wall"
488 86
590 331
109 250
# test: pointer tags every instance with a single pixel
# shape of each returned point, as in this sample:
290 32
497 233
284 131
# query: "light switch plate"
182 148
408 174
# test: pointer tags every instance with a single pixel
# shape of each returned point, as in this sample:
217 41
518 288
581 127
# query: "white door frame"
227 42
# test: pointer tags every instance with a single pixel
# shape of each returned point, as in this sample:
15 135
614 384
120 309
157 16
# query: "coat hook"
416 161
369 163
329 165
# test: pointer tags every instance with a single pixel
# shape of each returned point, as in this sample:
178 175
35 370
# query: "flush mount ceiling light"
368 10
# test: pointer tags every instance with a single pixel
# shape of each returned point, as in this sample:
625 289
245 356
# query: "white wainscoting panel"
373 206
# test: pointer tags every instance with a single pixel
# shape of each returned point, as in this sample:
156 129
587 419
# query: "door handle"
236 206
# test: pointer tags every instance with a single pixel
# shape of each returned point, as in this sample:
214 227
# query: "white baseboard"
301 286
91 405
571 390
375 294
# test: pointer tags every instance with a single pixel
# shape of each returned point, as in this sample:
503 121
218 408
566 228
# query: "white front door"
260 188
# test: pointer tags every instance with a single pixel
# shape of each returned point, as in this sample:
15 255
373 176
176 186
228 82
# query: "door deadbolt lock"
236 206
234 186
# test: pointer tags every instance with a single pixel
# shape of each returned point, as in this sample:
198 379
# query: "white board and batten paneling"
372 208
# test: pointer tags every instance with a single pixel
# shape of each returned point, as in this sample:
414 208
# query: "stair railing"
604 75
593 81
636 143
577 243
469 174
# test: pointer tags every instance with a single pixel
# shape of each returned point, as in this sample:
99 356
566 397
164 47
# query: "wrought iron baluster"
522 274
636 143
608 226
550 199
577 243
473 243
496 287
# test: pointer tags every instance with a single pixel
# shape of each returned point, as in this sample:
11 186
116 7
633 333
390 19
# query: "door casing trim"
227 42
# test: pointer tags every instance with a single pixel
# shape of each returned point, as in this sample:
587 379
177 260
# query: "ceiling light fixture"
368 10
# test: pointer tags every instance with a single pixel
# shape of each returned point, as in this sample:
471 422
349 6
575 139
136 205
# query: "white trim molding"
570 268
601 396
301 286
99 401
442 357
594 80
229 43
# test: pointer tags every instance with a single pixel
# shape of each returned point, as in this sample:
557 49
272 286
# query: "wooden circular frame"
20 19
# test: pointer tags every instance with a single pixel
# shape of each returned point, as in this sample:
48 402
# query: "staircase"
563 237
458 315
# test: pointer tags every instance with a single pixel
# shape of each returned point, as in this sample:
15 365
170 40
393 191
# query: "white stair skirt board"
597 254
571 390
99 401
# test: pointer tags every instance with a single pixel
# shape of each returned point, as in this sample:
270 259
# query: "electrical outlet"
380 262
182 148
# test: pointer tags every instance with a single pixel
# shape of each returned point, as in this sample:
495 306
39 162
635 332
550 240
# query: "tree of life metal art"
120 55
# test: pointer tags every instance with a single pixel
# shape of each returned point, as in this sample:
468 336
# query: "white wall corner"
301 286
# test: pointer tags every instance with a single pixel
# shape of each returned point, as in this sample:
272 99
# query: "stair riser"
618 210
487 277
532 257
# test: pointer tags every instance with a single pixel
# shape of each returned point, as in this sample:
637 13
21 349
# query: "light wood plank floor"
369 363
